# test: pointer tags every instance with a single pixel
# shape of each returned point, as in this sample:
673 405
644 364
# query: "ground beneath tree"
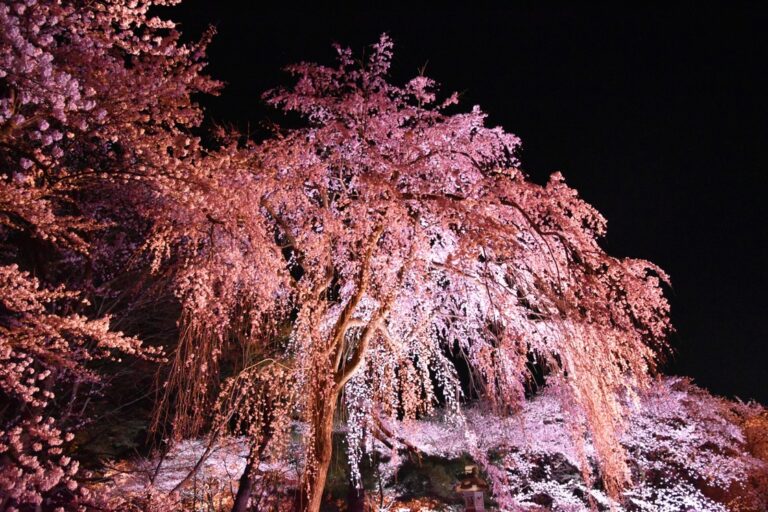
691 451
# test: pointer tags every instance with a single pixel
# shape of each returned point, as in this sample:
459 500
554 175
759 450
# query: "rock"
434 477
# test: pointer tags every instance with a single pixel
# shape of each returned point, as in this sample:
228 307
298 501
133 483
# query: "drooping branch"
285 229
341 326
347 371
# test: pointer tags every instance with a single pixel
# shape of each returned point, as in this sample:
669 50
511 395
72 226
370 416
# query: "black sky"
658 117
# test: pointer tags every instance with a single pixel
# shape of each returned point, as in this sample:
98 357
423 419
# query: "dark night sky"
658 117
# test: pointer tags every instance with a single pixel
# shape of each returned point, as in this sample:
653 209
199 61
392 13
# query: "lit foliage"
94 98
686 444
146 484
39 352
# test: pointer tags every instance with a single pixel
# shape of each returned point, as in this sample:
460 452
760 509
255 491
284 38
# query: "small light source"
471 488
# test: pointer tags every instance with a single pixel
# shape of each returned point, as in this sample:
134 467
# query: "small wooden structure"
471 488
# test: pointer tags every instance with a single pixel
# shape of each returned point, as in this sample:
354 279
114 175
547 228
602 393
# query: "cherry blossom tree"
395 238
94 110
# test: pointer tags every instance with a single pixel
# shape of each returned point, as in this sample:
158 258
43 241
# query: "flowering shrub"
687 452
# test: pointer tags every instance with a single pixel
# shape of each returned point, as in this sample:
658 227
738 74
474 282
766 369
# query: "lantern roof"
471 481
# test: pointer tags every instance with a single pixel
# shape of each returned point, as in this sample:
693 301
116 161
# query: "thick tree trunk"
313 487
326 395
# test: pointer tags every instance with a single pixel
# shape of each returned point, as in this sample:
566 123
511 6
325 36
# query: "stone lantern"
471 488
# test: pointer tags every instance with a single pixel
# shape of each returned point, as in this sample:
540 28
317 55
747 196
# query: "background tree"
94 112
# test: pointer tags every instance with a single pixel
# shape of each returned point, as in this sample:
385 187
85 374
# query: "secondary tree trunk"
255 454
312 495
245 488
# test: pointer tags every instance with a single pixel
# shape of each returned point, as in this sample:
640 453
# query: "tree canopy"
397 237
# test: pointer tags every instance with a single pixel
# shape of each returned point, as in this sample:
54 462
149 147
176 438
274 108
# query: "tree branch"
342 323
